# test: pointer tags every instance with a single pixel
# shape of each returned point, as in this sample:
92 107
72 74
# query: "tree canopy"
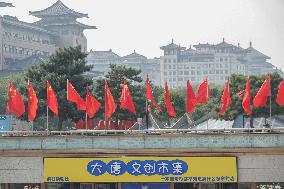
68 63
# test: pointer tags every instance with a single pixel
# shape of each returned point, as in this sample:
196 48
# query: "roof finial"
223 39
239 45
134 51
250 44
190 46
172 41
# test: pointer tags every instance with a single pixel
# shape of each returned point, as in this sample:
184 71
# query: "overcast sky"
145 25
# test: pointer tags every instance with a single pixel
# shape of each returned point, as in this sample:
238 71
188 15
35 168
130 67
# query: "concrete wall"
133 141
251 168
261 168
21 170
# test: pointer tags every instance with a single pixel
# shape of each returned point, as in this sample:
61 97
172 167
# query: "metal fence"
230 131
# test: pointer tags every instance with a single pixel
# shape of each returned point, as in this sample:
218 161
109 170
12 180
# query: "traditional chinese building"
56 28
213 61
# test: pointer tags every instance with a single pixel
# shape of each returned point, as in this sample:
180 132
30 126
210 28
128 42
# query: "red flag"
203 93
32 102
262 94
16 104
280 94
190 100
126 101
92 104
168 103
225 99
51 99
149 95
109 102
73 96
246 100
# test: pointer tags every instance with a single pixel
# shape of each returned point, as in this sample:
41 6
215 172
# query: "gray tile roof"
255 52
171 46
10 20
58 9
134 55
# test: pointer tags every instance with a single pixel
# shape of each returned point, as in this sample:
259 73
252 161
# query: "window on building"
170 67
205 72
221 59
186 72
174 72
174 66
170 60
192 72
106 186
198 72
165 60
180 72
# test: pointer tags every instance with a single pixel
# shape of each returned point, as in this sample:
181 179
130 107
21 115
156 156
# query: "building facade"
102 59
169 161
57 28
215 62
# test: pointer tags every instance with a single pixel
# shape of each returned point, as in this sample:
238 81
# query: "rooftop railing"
230 131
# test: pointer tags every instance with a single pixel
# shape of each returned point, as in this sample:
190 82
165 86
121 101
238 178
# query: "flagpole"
270 109
147 116
86 115
47 118
147 113
208 99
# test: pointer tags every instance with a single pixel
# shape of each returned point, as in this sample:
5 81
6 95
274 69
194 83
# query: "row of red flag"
91 105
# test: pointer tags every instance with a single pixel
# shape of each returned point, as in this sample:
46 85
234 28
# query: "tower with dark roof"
63 20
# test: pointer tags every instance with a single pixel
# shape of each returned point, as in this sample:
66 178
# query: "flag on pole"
73 96
92 104
246 100
190 98
15 104
149 95
280 94
32 102
168 103
126 101
203 93
262 94
225 99
51 99
109 102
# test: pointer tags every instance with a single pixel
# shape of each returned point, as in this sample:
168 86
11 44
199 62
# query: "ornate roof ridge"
57 9
134 54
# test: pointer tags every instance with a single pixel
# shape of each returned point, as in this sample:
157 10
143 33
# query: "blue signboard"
5 122
145 186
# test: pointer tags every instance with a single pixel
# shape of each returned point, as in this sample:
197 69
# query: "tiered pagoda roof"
57 9
135 55
172 46
255 52
104 54
59 14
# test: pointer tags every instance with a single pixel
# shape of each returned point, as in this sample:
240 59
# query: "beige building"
215 62
57 28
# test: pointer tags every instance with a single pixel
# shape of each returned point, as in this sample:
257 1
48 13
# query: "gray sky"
145 25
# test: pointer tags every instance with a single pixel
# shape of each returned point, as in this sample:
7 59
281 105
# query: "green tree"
178 102
115 78
237 84
67 63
